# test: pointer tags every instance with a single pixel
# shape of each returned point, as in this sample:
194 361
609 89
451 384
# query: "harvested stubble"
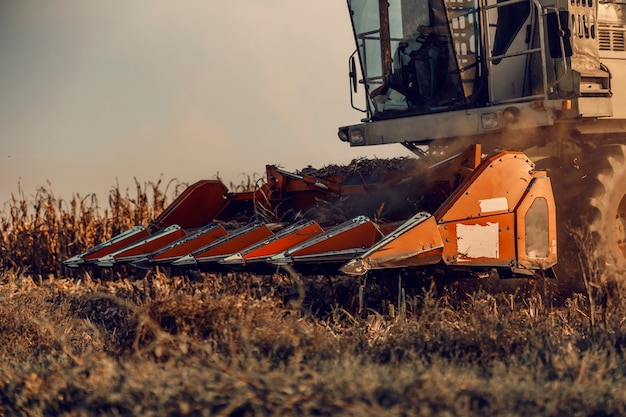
162 346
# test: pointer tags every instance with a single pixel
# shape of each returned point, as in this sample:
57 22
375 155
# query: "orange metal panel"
495 187
487 241
235 244
195 207
151 245
115 245
273 247
415 243
388 228
363 235
191 245
541 188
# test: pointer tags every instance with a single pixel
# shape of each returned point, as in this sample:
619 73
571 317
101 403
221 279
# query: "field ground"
243 345
74 344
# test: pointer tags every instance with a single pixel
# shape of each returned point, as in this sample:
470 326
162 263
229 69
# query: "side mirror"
559 34
353 76
354 82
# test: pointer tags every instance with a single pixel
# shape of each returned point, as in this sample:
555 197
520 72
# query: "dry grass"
247 345
38 232
162 346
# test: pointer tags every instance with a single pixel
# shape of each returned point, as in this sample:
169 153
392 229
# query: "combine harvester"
454 81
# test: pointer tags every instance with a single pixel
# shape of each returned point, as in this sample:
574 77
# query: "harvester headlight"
511 114
343 135
356 137
489 121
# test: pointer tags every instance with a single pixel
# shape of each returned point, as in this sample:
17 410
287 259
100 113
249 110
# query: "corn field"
40 231
235 344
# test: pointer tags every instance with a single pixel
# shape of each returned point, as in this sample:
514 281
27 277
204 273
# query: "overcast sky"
94 92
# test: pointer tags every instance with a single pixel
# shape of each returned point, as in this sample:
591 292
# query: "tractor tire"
590 194
609 224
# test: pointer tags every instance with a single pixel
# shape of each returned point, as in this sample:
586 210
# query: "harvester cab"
439 70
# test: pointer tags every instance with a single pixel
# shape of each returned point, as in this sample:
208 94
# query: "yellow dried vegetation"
39 231
237 344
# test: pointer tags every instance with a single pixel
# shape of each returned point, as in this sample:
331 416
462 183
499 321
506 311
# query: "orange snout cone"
416 242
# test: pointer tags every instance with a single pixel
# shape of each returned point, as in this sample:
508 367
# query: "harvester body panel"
230 244
495 187
417 242
114 244
195 207
144 247
536 226
190 243
338 244
486 241
283 240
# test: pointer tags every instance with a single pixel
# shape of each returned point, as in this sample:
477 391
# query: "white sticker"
477 241
493 204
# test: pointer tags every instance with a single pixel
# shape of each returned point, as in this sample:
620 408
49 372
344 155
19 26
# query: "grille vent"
612 38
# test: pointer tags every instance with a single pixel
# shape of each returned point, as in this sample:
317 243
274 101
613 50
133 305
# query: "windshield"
417 56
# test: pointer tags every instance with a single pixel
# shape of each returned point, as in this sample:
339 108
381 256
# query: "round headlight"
511 114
